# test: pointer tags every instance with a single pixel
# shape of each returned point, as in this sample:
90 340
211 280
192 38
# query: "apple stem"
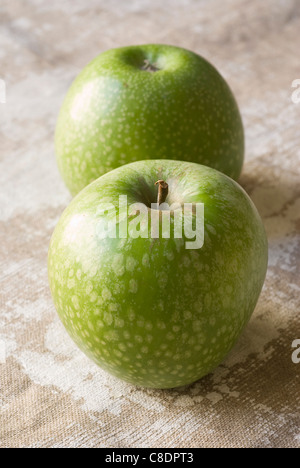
163 190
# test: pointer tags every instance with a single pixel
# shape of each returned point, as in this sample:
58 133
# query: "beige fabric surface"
51 395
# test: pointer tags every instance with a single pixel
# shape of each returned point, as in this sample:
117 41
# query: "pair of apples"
148 309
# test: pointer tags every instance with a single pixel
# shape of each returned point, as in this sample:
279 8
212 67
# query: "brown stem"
163 190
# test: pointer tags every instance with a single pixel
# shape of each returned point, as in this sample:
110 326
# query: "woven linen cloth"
51 394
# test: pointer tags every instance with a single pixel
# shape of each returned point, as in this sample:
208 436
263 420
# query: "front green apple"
154 311
139 102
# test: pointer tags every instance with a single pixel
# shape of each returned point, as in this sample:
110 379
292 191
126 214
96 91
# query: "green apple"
147 102
152 310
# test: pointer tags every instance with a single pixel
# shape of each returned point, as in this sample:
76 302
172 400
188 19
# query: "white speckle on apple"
126 335
89 288
93 296
187 315
111 335
162 326
119 322
92 271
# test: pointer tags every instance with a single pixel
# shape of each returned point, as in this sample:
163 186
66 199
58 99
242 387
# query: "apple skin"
149 311
116 113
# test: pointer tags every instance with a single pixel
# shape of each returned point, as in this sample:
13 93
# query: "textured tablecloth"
51 395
